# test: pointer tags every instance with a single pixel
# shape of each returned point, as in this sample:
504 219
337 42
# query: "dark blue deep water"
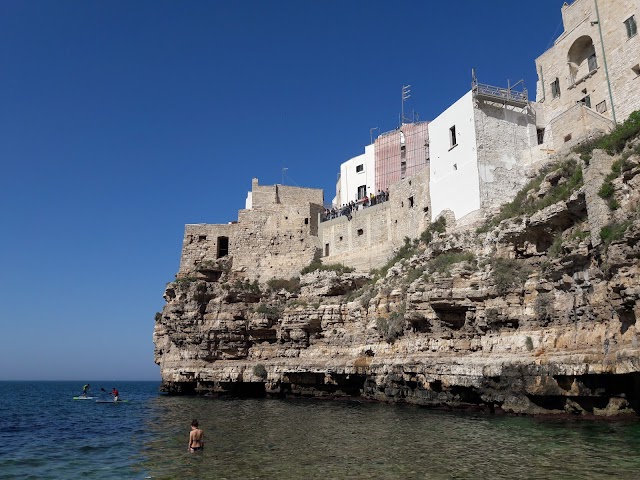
46 434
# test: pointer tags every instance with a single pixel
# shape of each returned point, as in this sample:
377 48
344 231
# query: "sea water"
44 433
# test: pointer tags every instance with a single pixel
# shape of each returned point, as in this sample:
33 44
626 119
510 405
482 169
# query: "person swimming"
196 437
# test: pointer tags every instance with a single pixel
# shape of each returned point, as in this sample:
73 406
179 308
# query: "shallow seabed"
45 434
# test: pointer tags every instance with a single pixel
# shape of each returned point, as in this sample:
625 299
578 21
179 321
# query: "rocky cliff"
534 312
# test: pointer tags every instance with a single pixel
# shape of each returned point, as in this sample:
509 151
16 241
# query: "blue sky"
122 121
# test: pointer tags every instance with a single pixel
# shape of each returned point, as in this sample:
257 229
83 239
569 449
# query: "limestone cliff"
533 313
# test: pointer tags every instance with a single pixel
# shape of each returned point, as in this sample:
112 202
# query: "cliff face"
537 314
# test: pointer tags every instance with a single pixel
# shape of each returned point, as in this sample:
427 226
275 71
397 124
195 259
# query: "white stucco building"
357 178
480 148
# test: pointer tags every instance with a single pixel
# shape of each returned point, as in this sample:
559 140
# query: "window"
452 137
632 28
306 221
601 107
540 136
202 238
326 249
360 232
592 62
636 69
410 202
586 101
362 191
555 88
359 168
567 138
223 246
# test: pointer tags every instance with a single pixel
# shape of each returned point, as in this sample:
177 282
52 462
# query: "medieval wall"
276 238
367 240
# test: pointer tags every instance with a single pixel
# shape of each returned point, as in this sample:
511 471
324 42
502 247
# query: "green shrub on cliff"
291 285
508 273
332 267
443 262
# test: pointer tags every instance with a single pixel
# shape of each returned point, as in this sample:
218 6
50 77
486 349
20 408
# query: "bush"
443 262
260 371
543 308
270 311
392 327
440 226
614 231
615 141
508 273
528 343
318 265
276 284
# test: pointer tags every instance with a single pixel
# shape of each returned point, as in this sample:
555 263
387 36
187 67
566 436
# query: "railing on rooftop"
507 95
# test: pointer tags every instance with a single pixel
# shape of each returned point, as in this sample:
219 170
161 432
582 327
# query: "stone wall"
568 61
276 238
369 238
575 125
598 211
502 135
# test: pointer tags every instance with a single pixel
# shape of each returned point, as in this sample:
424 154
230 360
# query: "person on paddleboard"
115 394
85 390
196 437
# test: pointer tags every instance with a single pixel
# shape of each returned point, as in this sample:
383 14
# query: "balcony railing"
507 95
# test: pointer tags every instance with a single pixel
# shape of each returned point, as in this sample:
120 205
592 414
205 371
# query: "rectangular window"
326 249
452 137
410 202
586 101
632 28
555 88
540 136
601 107
362 191
359 168
592 62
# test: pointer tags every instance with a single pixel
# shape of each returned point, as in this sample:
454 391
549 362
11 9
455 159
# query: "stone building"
367 238
275 237
480 149
589 79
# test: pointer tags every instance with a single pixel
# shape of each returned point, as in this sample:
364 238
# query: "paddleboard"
111 401
83 398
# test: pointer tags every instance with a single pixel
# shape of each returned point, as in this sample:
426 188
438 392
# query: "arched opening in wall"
223 247
581 59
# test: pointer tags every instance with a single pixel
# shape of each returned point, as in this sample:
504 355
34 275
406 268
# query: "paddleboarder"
85 390
196 437
115 394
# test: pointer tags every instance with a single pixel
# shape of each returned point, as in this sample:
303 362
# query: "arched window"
582 59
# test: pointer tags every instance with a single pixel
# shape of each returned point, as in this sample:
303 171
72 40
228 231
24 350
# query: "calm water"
46 434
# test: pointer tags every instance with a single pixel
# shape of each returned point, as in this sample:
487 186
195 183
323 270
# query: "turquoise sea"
46 434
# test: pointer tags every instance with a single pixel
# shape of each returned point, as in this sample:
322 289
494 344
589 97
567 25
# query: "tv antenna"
406 90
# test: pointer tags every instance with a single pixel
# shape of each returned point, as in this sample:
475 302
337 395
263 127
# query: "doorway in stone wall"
223 246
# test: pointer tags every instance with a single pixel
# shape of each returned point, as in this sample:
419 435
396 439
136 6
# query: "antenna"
406 90
284 169
371 132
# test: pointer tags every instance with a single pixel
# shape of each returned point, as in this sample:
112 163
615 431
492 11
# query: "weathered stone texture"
368 239
561 338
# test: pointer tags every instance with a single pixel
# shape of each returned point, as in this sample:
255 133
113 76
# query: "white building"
479 149
357 178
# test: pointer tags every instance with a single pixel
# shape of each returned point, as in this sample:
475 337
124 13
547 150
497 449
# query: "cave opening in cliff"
452 316
223 247
627 318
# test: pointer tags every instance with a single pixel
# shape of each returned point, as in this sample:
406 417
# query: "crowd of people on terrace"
347 209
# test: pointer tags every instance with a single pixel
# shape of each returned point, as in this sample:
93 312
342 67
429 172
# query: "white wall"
454 183
350 179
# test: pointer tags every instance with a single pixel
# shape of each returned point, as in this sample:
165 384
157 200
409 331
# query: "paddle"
105 391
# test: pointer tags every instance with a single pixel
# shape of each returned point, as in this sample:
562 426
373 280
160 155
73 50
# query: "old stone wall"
276 238
598 211
200 244
502 134
575 125
369 238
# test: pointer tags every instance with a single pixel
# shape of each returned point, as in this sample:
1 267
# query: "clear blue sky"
121 121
